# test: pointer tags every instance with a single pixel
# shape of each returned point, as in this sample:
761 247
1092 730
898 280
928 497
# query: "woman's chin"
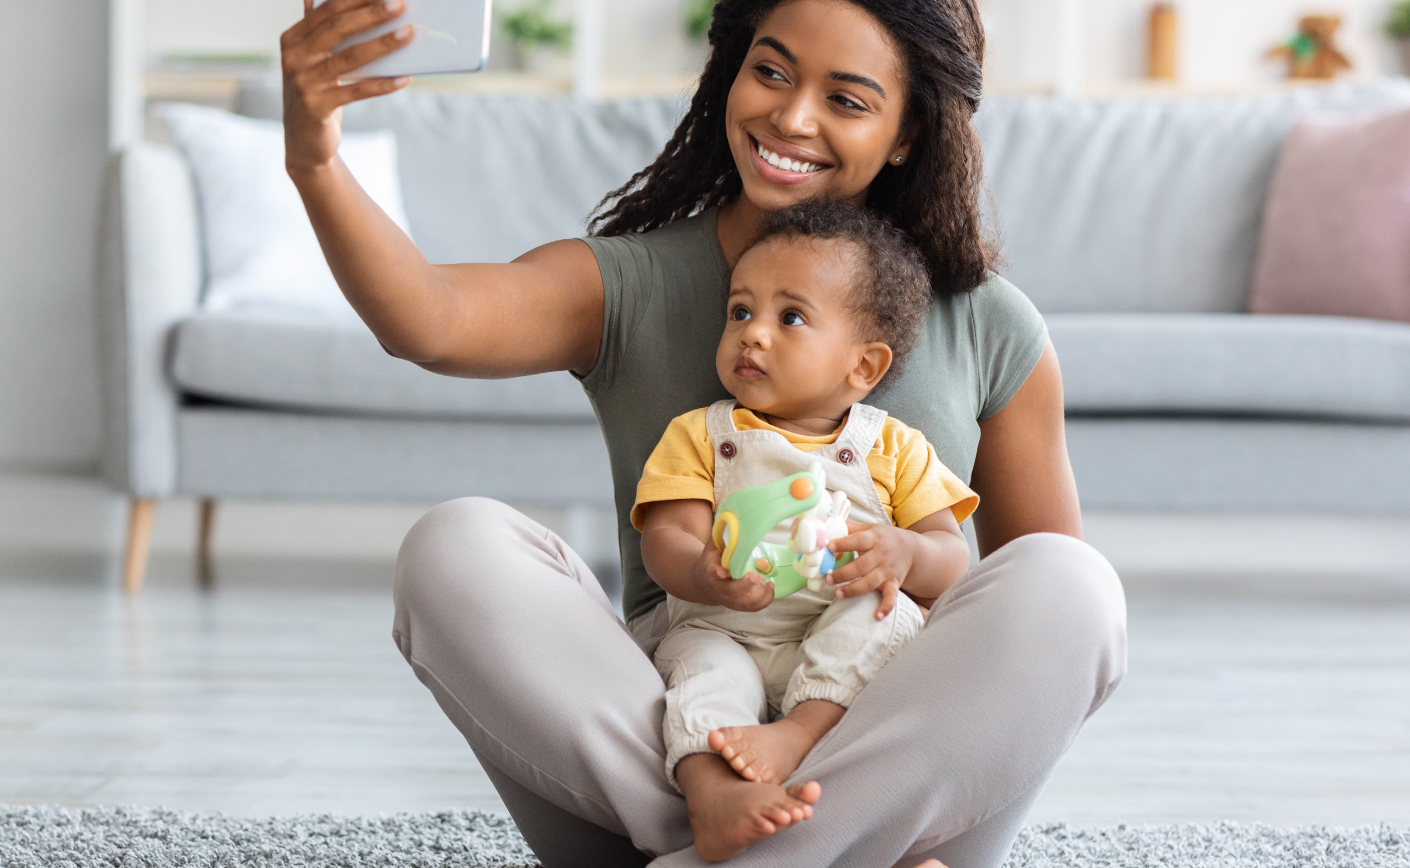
768 196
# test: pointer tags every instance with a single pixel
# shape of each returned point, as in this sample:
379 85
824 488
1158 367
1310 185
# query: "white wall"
53 142
218 26
1223 42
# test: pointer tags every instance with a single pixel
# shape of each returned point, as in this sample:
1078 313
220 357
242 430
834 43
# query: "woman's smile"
782 163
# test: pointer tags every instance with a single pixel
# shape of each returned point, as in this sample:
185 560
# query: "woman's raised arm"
542 312
1021 471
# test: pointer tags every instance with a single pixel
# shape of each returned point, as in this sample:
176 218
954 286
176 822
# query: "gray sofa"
1132 224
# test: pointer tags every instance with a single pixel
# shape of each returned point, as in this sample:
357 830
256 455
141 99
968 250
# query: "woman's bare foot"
728 814
770 752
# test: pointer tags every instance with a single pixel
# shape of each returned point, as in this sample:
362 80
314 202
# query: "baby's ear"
872 365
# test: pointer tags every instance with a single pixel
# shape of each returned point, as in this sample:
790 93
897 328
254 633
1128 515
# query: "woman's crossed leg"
518 643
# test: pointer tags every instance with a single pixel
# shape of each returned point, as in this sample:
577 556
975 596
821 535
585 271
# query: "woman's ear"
901 151
871 366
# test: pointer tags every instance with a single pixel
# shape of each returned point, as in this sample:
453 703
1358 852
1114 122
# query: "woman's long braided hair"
933 197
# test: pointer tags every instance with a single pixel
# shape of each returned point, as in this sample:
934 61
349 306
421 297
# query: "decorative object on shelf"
697 17
541 42
1398 28
1312 52
1163 51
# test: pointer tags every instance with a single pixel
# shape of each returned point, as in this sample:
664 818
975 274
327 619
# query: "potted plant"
697 17
1398 26
540 41
697 25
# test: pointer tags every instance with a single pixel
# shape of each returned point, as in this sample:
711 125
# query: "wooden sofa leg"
141 511
205 565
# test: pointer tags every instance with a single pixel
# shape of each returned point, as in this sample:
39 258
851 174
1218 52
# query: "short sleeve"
628 271
923 484
1009 335
681 467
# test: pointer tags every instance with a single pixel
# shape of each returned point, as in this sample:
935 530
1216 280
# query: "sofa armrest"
150 277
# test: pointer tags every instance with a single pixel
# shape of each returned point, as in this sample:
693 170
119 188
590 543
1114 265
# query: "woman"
945 752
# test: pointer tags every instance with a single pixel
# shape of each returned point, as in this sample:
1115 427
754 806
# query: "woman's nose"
795 116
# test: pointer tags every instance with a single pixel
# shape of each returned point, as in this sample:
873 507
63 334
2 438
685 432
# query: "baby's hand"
749 594
884 557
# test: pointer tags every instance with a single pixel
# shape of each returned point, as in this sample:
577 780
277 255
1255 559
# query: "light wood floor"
1280 695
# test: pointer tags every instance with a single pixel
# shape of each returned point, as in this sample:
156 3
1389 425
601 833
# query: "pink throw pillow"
1336 227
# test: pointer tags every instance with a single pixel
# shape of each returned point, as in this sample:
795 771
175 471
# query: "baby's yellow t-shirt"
910 480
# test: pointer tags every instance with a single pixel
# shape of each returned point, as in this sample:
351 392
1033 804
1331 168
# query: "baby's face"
790 345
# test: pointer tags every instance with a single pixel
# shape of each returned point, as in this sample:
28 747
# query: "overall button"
845 456
727 449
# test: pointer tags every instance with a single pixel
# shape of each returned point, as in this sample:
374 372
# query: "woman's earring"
900 159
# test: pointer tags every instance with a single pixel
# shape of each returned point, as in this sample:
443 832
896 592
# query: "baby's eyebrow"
801 299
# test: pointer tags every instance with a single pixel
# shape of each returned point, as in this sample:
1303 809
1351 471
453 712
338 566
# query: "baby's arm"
681 557
924 559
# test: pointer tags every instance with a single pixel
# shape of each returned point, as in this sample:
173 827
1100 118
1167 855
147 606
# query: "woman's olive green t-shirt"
664 312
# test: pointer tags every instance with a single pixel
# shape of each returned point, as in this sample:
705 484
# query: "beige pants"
940 756
725 668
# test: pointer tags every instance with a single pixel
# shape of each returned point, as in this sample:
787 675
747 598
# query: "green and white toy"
747 516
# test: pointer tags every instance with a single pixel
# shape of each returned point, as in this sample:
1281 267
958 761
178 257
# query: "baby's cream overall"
728 668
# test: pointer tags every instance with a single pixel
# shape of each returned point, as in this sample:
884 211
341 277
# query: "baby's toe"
780 816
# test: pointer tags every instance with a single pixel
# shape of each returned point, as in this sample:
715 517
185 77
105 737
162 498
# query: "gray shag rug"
45 837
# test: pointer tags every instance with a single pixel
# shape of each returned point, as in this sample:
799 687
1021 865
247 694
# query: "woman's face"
816 109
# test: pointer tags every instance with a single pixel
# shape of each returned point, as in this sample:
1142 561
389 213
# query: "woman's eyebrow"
777 46
854 78
850 77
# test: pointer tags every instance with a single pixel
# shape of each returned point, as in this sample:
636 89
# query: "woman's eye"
768 72
791 318
739 314
848 103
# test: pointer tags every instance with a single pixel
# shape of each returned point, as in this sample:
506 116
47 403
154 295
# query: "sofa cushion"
290 361
1336 229
1242 364
1141 204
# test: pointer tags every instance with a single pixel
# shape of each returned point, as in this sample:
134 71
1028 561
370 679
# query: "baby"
821 309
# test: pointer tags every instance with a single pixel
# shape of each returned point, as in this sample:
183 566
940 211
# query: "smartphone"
451 36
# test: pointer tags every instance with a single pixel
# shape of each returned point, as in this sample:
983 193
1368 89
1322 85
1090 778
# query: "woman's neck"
740 222
737 225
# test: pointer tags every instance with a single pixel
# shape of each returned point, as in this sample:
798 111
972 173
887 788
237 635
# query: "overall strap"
863 427
719 419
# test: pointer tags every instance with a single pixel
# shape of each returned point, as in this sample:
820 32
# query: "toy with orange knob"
748 515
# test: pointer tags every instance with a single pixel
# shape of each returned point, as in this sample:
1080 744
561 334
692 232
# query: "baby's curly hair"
892 290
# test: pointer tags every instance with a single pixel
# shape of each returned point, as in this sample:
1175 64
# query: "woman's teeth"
786 164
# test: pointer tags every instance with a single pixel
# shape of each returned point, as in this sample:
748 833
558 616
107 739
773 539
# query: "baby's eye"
791 318
739 314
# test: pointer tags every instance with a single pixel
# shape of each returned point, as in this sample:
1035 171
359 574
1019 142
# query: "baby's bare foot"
735 813
770 752
767 753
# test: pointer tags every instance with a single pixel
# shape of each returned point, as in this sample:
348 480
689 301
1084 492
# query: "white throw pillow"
260 248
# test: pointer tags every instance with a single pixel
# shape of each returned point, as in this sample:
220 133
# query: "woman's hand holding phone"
313 95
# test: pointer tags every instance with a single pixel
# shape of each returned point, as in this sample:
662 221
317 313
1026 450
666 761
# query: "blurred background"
86 66
1270 659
